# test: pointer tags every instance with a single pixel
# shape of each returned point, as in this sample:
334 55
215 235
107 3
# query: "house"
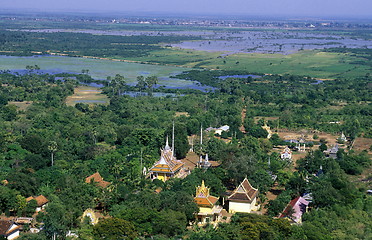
9 229
243 199
167 166
41 201
332 152
286 154
209 212
97 179
221 129
295 209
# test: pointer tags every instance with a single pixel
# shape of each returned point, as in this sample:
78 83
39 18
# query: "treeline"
18 43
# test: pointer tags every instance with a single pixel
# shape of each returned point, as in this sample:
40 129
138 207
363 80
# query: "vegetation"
50 147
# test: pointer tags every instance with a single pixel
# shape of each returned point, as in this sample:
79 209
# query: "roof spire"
167 144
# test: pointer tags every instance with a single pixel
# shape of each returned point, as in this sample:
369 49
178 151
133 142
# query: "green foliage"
115 229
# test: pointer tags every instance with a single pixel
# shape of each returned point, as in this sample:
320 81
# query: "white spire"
201 135
167 144
206 158
173 139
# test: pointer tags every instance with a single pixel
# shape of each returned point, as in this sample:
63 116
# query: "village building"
9 230
221 129
209 212
243 199
295 209
167 167
286 154
41 201
332 152
97 179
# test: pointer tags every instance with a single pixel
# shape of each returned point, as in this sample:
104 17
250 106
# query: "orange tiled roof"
167 163
206 201
244 192
96 178
41 200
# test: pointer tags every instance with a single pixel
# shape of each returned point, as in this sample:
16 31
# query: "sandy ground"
88 95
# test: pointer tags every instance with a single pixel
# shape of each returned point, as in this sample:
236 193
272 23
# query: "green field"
317 64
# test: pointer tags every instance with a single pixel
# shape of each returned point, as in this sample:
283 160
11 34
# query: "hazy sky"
241 7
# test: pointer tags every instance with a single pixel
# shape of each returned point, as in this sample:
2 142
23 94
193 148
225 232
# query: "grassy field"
87 95
324 65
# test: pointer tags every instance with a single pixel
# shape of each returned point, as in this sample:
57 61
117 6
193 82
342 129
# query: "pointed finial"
203 185
167 144
206 158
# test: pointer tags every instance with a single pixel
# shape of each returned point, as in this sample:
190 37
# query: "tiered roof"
202 198
244 192
167 163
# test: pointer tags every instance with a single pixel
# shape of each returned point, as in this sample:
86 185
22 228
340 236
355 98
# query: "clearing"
88 95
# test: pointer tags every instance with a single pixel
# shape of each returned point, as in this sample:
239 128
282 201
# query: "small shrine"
204 163
286 154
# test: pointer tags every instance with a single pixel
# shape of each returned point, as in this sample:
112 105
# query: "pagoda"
167 166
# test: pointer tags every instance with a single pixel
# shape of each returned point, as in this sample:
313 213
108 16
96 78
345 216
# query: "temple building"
167 167
209 212
295 209
243 199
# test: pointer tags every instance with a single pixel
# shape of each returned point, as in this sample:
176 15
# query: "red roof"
298 205
244 192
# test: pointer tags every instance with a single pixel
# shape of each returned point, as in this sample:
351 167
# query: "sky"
306 8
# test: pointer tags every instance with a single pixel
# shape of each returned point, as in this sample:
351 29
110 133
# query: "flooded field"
243 41
272 42
99 69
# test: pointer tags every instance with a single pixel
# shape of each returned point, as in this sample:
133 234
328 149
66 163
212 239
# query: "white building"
9 229
243 199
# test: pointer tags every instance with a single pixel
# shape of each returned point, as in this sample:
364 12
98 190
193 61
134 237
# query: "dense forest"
49 148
